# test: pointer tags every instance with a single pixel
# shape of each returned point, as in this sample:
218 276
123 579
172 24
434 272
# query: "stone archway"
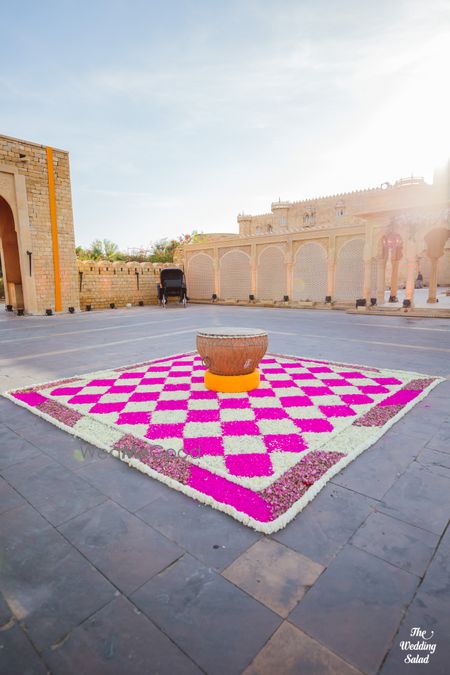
235 276
10 258
350 271
310 273
200 276
271 275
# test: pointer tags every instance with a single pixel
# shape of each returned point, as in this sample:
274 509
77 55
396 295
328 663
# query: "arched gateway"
37 246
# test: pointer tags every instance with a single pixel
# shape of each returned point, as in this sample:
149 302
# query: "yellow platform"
232 383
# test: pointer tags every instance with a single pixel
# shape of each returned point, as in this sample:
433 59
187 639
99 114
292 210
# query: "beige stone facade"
38 261
332 249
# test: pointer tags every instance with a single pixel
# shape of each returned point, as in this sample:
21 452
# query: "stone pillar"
433 281
381 279
331 260
253 268
216 273
411 271
394 279
367 288
289 278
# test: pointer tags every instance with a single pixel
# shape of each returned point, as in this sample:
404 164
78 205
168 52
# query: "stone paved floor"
103 570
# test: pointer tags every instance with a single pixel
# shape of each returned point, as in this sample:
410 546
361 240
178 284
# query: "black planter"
9 308
20 312
112 305
328 298
361 302
88 308
71 310
286 298
141 303
373 302
49 312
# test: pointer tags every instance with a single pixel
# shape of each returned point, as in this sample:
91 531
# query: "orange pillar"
54 228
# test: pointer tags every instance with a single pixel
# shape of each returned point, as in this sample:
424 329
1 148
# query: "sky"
178 115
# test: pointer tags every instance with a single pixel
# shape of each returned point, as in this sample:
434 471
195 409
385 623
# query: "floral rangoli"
259 456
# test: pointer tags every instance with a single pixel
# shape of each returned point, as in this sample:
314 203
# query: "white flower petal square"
277 427
197 429
168 416
203 404
236 414
240 445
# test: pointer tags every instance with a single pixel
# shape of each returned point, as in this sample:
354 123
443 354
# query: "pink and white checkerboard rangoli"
259 456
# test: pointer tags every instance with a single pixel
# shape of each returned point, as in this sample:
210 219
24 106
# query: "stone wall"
25 164
102 283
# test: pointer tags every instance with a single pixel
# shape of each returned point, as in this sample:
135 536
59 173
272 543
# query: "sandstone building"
331 249
37 245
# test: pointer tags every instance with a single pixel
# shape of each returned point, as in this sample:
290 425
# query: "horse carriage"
172 284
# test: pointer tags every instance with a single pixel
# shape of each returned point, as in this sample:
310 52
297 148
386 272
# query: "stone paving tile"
123 547
429 611
355 607
56 492
397 542
14 449
50 587
326 524
123 484
209 535
5 611
377 469
273 574
118 640
291 652
419 497
435 461
219 626
17 655
9 498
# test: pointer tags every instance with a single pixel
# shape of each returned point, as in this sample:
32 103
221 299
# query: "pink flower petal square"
131 376
203 416
270 414
31 398
134 418
356 399
337 410
285 443
282 384
144 396
100 383
81 399
373 389
156 431
177 387
172 405
251 465
295 401
402 397
203 445
244 428
105 408
122 389
315 425
317 391
66 391
227 403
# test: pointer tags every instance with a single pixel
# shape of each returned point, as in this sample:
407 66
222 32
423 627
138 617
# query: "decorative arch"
10 257
350 271
235 276
271 274
200 277
310 273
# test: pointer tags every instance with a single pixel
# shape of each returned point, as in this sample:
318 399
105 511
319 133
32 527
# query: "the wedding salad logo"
419 647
